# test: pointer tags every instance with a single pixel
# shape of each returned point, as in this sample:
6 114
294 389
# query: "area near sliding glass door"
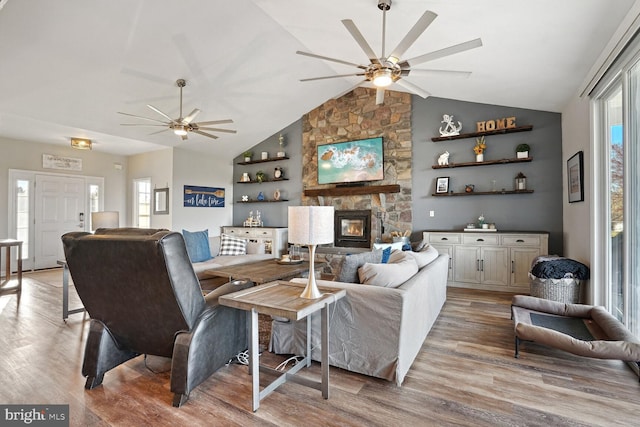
616 180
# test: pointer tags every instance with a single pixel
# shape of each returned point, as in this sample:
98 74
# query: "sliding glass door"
617 209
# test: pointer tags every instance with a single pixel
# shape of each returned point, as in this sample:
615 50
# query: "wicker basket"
566 291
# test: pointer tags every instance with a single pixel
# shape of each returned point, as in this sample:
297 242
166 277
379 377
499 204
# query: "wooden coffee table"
264 271
283 299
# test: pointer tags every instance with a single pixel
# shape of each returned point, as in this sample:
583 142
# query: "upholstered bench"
584 330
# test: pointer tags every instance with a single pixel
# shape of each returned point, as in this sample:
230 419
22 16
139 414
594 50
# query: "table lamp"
104 219
311 226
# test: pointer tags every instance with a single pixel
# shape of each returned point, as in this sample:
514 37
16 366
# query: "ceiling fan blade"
160 131
425 20
192 115
218 130
214 122
143 118
348 90
357 35
413 88
161 113
205 134
451 50
379 96
331 77
326 58
141 124
452 73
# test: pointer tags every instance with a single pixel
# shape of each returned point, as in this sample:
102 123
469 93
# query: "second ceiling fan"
182 125
384 70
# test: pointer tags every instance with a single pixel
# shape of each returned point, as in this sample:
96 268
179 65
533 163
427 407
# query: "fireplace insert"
352 228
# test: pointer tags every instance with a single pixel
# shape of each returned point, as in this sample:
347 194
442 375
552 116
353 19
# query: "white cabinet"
489 260
275 239
481 265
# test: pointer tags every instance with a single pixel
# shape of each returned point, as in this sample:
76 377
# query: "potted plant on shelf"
247 155
479 149
522 151
261 176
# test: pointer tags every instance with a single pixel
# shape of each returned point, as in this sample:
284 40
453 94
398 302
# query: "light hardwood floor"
465 375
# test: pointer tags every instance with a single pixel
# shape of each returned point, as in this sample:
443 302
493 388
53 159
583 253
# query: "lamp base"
311 291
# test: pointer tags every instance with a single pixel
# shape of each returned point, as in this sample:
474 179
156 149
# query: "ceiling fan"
385 70
182 125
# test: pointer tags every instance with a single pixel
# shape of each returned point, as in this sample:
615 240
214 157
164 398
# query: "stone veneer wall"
356 116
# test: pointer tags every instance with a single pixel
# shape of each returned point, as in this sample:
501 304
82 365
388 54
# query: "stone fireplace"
351 117
352 228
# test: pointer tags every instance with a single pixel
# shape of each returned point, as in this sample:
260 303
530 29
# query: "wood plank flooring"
465 375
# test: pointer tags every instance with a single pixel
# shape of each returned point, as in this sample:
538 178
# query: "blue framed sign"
203 197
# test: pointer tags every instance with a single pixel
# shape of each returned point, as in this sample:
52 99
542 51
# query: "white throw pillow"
230 245
401 267
425 256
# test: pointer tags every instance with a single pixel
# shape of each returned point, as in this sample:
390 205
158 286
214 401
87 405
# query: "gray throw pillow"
349 271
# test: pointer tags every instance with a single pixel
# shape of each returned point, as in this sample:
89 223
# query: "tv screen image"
351 161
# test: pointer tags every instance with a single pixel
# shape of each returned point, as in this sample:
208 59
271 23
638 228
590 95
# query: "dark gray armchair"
143 297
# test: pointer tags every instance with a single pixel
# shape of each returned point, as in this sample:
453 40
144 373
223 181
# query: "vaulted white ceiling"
67 67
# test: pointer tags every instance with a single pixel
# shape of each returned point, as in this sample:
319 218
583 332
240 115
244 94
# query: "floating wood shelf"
483 193
488 162
352 191
488 132
264 201
264 180
272 159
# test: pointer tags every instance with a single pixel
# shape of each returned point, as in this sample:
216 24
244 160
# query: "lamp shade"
105 219
310 225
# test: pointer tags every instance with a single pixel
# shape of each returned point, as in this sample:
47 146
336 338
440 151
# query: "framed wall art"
575 177
442 185
203 197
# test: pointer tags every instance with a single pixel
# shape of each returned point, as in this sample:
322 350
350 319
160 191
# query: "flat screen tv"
351 161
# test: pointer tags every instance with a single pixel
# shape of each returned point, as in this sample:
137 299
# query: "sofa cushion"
351 263
418 246
230 245
197 243
425 256
401 267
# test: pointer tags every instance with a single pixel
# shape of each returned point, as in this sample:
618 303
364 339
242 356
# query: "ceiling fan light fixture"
81 143
382 77
180 130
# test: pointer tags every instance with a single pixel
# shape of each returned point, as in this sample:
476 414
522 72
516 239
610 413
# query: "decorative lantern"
521 182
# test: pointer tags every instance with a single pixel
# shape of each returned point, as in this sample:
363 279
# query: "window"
616 204
142 202
23 215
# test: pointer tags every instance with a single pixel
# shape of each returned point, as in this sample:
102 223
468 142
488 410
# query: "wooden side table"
8 244
283 299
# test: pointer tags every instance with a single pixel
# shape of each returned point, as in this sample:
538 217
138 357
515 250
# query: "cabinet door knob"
512 267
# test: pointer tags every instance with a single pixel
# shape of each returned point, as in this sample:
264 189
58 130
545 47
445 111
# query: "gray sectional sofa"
374 330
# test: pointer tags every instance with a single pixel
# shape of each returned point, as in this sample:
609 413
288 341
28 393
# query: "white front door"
59 208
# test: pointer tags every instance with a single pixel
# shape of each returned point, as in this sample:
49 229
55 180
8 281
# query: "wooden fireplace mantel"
352 191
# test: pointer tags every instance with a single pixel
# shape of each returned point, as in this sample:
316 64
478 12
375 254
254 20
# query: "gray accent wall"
539 211
273 214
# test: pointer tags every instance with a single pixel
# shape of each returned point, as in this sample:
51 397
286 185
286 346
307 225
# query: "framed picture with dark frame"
442 185
575 177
